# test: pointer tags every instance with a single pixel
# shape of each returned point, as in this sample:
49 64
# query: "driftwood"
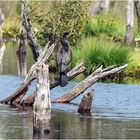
42 104
85 105
30 76
53 83
82 86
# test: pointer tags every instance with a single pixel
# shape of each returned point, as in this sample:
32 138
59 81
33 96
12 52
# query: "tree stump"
85 105
42 104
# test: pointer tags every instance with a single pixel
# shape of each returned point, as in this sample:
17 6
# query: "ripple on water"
110 100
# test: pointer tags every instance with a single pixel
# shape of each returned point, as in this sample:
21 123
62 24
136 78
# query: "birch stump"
42 104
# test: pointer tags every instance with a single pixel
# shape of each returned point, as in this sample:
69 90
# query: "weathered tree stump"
42 104
86 103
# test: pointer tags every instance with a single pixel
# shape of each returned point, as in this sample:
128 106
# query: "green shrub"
68 16
97 52
10 32
103 25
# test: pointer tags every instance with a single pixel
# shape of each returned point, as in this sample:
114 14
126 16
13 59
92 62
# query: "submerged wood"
82 86
30 76
86 103
42 104
53 83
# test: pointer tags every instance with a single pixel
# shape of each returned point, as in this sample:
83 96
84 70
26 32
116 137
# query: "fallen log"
42 104
85 105
71 74
30 76
82 86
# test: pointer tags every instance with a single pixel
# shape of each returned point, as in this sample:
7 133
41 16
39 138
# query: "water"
115 110
115 113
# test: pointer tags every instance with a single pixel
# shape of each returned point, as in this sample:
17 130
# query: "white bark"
99 7
129 22
42 104
2 50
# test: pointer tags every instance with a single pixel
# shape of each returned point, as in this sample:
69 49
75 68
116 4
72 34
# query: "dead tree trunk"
85 105
99 6
35 47
129 22
21 55
71 74
137 7
21 52
30 76
42 104
82 86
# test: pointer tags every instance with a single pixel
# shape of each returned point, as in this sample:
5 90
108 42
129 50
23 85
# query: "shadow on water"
115 113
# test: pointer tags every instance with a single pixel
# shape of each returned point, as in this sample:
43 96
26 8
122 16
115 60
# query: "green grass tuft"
103 25
97 52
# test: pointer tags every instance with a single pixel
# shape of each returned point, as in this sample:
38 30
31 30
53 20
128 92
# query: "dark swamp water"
115 110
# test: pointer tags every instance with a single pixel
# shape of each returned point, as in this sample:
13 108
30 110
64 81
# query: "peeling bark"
42 104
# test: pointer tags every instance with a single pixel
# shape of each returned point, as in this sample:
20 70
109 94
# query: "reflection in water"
10 60
115 114
64 125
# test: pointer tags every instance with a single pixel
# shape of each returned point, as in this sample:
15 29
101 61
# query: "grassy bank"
96 52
